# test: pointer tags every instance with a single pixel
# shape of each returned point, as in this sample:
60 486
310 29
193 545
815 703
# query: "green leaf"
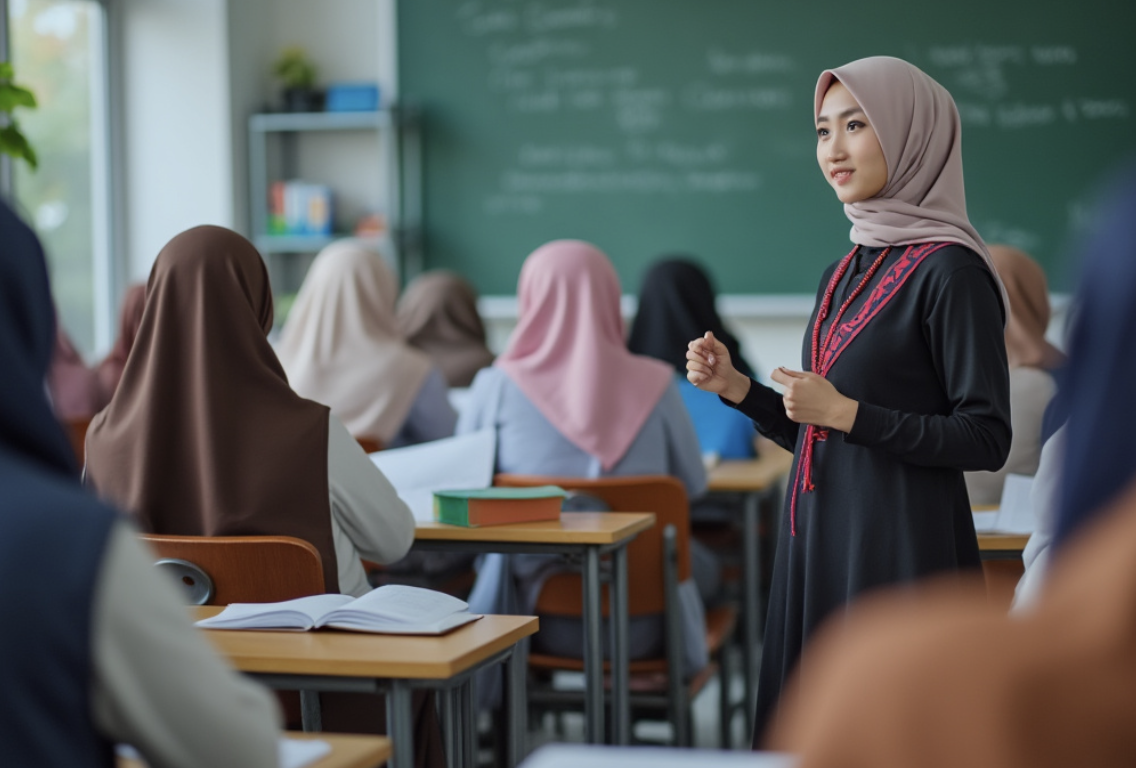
13 142
12 96
6 71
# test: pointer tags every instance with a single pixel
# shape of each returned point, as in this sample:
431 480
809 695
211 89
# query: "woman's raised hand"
709 368
811 399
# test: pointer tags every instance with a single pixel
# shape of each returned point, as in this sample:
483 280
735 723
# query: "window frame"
108 267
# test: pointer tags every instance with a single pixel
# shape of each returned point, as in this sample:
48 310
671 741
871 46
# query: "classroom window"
58 49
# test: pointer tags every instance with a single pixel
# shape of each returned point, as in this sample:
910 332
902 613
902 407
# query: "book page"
296 753
1015 513
452 463
301 613
400 603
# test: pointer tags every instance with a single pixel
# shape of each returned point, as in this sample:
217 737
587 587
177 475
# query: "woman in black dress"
904 383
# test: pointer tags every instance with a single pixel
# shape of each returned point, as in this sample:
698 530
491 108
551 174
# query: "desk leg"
593 649
469 725
751 599
310 714
400 714
516 671
451 736
620 677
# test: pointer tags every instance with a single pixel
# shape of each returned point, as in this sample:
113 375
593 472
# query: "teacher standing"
904 383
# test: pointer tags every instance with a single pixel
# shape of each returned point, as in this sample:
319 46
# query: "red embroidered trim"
840 335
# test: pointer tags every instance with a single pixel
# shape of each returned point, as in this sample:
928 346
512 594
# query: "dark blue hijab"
27 331
1098 383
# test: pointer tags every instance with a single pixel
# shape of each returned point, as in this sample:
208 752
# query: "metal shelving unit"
401 189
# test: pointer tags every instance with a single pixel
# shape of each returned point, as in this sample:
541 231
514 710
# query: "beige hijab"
438 314
204 437
919 130
1029 310
341 345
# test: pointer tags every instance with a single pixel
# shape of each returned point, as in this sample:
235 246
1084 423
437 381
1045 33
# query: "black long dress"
889 503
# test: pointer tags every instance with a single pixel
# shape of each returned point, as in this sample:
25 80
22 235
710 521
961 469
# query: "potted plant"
12 140
297 74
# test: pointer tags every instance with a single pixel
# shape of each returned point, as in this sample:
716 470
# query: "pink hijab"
568 356
919 130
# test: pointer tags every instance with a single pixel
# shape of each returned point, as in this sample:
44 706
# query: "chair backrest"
663 495
77 434
369 444
242 569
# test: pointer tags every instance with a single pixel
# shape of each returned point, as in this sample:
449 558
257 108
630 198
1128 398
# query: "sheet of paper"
1015 513
453 463
295 753
985 522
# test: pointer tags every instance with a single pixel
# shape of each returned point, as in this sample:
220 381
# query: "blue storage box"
352 97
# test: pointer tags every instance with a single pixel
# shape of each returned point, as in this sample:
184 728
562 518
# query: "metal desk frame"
593 626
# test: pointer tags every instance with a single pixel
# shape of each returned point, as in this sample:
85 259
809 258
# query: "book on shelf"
498 506
391 609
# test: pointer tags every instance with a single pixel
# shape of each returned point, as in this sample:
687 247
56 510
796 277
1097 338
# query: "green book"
498 506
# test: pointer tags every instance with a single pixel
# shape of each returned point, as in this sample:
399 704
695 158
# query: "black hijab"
1099 378
676 305
28 427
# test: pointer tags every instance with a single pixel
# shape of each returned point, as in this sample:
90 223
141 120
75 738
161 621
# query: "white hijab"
341 345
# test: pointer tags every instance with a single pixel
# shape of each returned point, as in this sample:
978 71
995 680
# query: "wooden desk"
760 480
590 535
1002 546
347 751
364 662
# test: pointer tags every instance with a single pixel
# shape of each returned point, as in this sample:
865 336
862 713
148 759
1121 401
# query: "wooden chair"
218 570
77 435
658 559
369 444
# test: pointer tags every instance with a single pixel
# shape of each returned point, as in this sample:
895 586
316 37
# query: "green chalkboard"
662 126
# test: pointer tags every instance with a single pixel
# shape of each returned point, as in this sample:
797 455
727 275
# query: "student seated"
109 370
204 437
341 346
438 315
676 304
1032 362
97 647
76 394
567 398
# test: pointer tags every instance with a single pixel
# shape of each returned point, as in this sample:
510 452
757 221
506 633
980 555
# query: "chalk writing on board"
477 21
1024 115
531 52
580 156
1053 54
706 98
543 17
612 77
1003 233
749 63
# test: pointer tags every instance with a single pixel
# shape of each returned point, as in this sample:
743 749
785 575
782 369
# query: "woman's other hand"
708 367
811 399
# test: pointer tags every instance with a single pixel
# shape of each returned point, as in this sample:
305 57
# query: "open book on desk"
392 609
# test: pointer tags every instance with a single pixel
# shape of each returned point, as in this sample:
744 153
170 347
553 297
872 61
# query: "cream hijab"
341 345
919 130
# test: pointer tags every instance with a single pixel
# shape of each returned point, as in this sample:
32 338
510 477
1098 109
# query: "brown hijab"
1029 310
204 437
939 678
130 317
438 314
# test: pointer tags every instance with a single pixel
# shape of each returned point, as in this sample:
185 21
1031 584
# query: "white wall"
175 121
